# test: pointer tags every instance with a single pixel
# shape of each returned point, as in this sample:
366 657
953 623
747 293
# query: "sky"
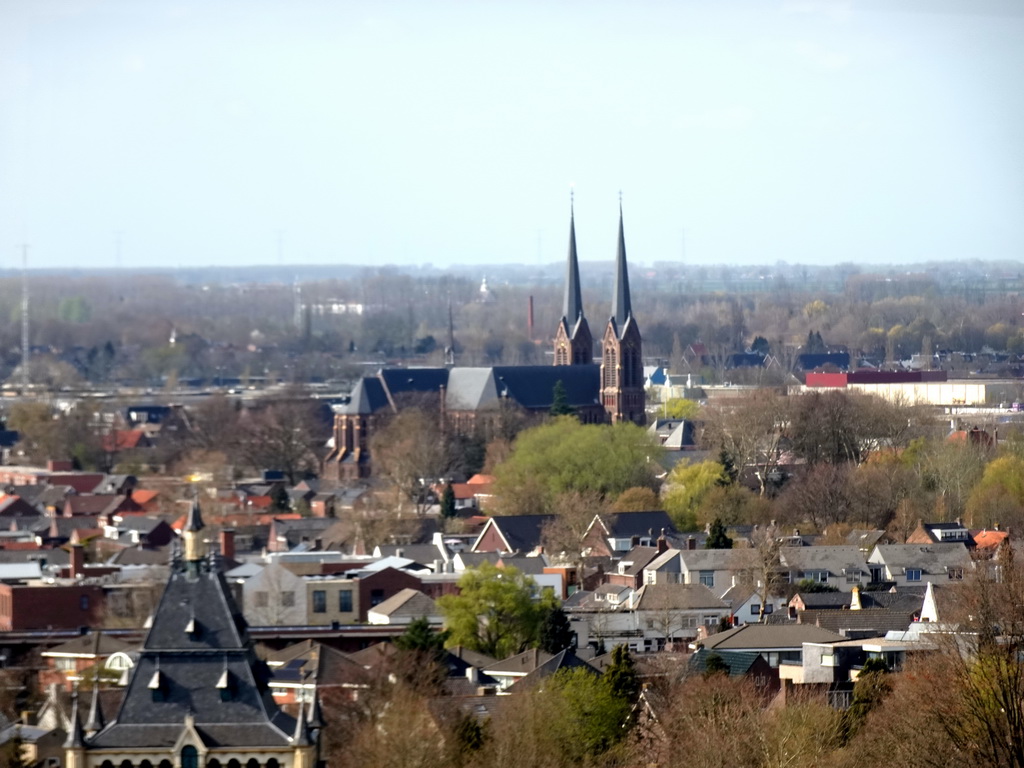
172 133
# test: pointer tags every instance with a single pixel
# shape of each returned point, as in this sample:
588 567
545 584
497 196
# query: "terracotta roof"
986 539
123 440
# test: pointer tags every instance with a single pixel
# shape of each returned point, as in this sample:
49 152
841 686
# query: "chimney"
691 542
662 542
227 543
472 675
634 541
76 568
318 544
59 465
855 598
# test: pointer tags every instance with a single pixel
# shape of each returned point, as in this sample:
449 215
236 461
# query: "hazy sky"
225 131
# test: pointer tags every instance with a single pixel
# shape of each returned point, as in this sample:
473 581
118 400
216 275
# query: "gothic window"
189 757
610 363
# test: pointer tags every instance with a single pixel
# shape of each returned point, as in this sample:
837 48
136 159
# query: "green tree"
717 537
555 632
998 497
495 611
715 665
12 753
560 400
563 455
448 502
681 408
420 637
621 675
685 489
637 500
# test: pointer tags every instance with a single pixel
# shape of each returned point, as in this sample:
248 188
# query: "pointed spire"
96 720
76 738
572 308
449 350
301 735
194 551
621 308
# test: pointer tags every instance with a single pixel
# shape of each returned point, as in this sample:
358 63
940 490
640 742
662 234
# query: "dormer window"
225 685
158 686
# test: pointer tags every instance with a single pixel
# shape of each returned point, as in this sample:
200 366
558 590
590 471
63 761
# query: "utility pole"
25 378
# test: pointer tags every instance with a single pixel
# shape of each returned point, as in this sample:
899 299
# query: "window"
707 578
913 574
768 608
711 621
319 601
260 600
755 609
287 599
652 577
821 577
66 665
345 601
83 603
189 757
376 597
956 574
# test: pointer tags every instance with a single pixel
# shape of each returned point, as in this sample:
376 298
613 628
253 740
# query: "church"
609 391
198 696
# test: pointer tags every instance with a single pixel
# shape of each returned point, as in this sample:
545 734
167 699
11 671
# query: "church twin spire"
622 392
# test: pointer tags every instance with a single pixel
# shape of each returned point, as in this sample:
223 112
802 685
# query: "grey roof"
528 565
407 602
719 559
142 556
825 600
834 559
401 380
198 635
676 597
770 636
622 310
90 645
636 559
929 558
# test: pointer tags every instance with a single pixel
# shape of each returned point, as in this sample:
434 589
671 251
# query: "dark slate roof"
522 532
189 665
876 621
572 307
402 380
566 659
367 397
811 360
533 386
738 662
63 527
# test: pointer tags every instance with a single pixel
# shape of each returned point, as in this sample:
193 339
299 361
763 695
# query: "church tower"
622 367
573 343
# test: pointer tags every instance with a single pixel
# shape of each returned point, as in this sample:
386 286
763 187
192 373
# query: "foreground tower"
574 344
622 367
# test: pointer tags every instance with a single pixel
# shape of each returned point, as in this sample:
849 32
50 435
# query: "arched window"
189 757
145 764
253 763
165 764
214 763
272 763
127 764
234 764
106 764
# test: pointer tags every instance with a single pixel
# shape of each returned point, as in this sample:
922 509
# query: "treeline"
119 327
